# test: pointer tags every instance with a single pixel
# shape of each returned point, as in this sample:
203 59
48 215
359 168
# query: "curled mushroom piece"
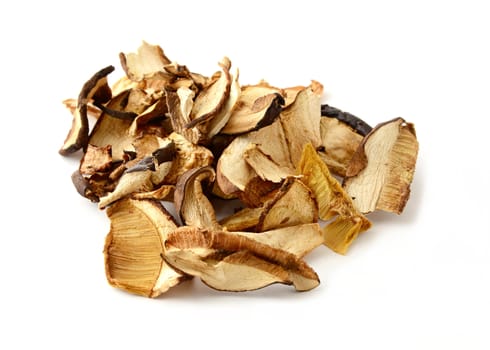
96 89
247 265
381 171
191 203
134 248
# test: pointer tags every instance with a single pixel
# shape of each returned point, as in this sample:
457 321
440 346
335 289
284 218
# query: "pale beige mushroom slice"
381 171
145 62
332 200
134 248
216 124
187 249
192 205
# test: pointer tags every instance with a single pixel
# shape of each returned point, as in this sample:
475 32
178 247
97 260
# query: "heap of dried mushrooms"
304 174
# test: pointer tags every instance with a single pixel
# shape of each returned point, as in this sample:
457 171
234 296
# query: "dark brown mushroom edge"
294 173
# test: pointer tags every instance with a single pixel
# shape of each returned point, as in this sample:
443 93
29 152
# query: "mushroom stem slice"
381 171
96 89
133 250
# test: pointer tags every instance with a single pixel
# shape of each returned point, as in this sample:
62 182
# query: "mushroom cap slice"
388 154
134 248
148 60
191 203
96 89
257 265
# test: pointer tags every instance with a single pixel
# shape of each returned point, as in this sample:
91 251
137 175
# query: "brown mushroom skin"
95 88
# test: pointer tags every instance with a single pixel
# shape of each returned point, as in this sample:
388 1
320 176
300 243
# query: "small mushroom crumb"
299 174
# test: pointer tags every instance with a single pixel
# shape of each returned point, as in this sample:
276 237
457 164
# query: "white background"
415 281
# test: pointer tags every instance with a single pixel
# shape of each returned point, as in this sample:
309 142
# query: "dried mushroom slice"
339 143
148 60
220 119
293 204
95 89
357 124
212 99
192 205
332 200
256 107
134 250
184 249
381 171
301 123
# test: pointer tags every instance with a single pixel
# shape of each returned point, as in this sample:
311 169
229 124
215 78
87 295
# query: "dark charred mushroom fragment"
95 89
359 125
